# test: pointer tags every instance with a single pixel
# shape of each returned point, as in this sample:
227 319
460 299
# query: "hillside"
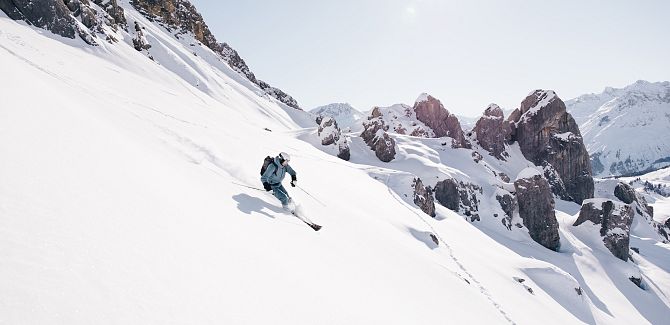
130 194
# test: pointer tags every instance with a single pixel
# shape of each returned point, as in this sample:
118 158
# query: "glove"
293 182
267 186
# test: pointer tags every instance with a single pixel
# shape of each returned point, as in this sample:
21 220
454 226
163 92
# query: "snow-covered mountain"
626 130
345 114
130 193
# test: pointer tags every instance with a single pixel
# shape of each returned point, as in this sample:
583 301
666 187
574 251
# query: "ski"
309 223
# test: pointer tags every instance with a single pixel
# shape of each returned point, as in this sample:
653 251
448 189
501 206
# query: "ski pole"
315 199
251 187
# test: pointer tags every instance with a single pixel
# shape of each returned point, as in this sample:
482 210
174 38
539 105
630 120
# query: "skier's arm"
290 170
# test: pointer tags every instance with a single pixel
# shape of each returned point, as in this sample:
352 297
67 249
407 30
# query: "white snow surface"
625 130
123 201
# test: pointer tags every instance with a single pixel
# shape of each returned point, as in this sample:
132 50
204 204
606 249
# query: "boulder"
492 132
375 136
139 41
423 197
615 219
328 131
547 134
432 113
330 134
344 152
508 204
536 209
625 193
459 197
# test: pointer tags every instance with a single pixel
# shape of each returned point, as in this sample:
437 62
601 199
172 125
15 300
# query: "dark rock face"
113 10
508 204
183 16
376 137
328 131
556 182
60 16
615 219
52 15
536 208
444 124
423 197
625 193
492 132
344 152
331 134
547 134
459 197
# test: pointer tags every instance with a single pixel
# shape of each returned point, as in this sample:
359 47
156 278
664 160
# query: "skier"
274 175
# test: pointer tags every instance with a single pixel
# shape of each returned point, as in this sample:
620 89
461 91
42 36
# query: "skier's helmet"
284 157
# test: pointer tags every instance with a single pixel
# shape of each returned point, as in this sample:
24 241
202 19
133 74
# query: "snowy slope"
345 114
625 130
120 203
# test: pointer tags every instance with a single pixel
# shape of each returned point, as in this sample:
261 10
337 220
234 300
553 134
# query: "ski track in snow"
453 257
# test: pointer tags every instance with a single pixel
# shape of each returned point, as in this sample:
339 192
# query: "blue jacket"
275 173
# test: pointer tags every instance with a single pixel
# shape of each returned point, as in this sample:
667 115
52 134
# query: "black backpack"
266 162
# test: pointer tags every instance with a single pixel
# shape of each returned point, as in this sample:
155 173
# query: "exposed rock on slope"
458 196
536 208
492 132
615 219
64 17
330 134
548 135
423 197
431 112
376 137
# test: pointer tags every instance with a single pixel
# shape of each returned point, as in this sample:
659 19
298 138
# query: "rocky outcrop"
330 134
548 135
376 137
459 197
536 209
344 152
556 182
492 132
328 131
140 42
615 219
52 15
508 204
432 113
625 193
182 16
423 197
62 17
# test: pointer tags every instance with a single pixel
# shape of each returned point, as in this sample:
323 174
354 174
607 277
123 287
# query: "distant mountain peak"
607 120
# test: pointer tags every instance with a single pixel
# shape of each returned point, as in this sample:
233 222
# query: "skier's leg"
280 193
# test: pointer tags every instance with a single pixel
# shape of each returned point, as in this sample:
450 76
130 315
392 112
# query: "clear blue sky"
466 53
